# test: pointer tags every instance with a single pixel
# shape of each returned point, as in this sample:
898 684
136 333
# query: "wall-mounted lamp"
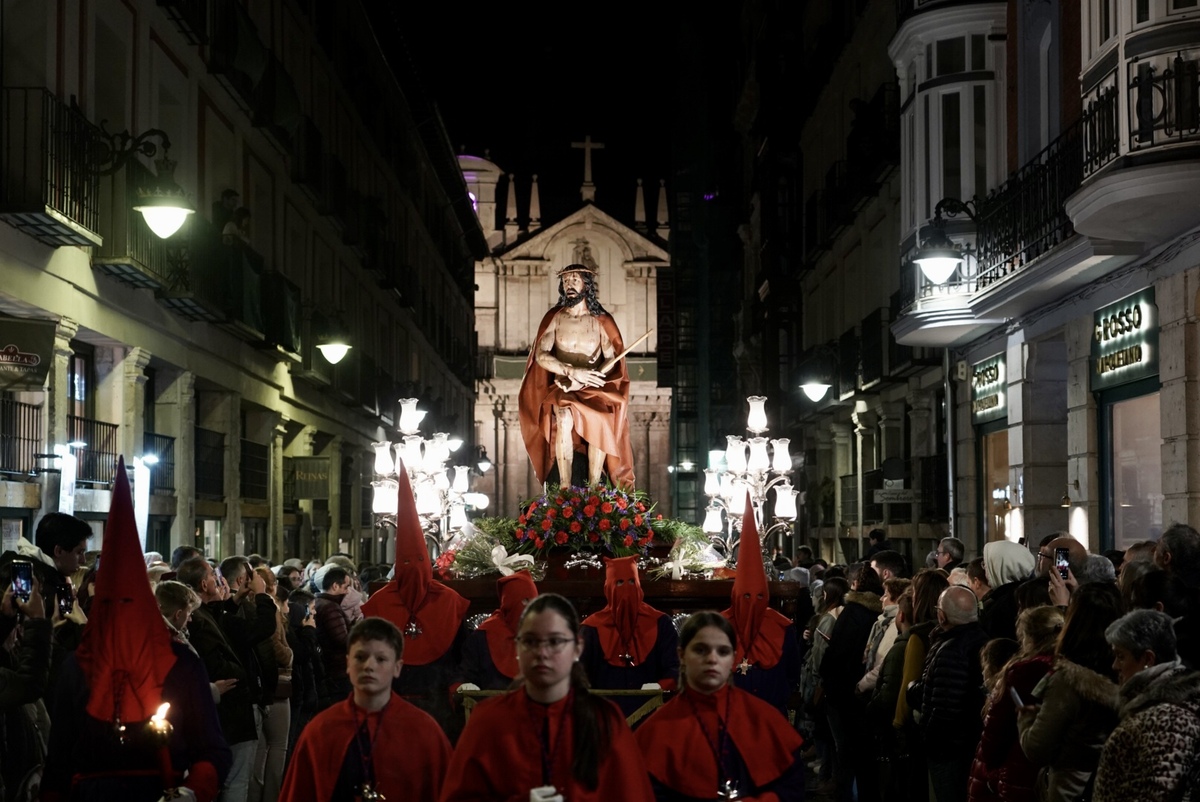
1066 497
163 203
817 372
481 460
333 343
939 256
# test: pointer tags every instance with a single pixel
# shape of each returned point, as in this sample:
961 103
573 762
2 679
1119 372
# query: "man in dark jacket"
951 693
841 668
236 708
333 632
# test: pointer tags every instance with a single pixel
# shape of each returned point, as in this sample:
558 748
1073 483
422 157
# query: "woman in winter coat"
1073 710
1000 770
1154 753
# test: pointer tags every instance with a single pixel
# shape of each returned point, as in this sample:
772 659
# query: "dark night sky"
526 80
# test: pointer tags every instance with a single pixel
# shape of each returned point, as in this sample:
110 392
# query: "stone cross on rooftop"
588 190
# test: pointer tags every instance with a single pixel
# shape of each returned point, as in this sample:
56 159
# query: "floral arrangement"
605 520
486 546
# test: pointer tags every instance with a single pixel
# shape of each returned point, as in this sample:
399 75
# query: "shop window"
1136 452
993 457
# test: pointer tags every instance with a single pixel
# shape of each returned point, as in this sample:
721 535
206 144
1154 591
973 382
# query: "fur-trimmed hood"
869 600
1169 683
1088 684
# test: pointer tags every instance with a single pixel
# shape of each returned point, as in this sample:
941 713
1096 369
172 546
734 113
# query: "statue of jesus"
572 398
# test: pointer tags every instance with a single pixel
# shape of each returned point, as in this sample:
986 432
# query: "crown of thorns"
576 269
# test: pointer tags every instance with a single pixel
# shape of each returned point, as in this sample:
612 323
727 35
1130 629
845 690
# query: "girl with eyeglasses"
549 739
714 740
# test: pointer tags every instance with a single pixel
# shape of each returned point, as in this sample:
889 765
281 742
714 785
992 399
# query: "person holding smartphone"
24 672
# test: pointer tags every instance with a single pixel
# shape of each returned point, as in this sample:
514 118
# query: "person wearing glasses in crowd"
550 739
714 740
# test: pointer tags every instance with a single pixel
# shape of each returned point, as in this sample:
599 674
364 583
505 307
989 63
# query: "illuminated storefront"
989 415
1125 380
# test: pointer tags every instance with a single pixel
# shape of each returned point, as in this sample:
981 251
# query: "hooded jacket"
1154 753
842 665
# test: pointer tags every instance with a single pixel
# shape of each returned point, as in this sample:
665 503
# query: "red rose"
558 501
628 541
593 499
645 541
640 507
567 512
606 507
532 507
550 513
537 541
521 519
605 524
658 517
576 500
576 527
546 524
624 524
560 538
622 503
589 510
594 537
637 520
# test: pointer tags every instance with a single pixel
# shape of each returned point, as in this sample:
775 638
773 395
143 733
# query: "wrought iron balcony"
20 437
255 470
209 464
48 188
98 458
131 253
162 475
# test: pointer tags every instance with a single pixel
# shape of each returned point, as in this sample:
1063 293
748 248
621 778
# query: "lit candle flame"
159 719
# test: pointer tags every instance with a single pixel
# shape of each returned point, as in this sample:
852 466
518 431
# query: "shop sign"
1125 341
312 477
988 385
26 353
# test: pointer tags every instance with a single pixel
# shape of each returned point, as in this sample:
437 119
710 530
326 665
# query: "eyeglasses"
1043 556
552 645
942 552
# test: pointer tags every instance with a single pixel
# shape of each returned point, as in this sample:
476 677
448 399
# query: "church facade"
516 284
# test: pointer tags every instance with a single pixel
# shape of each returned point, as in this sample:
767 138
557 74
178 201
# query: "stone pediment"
589 220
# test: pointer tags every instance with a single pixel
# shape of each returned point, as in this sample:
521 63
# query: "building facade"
201 349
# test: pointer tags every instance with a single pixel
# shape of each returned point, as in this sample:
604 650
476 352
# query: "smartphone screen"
22 579
1060 561
66 601
1016 697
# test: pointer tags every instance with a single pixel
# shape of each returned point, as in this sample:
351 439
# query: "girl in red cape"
549 739
715 741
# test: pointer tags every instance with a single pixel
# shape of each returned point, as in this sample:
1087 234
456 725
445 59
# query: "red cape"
601 413
500 628
679 754
410 762
439 615
760 630
626 622
498 758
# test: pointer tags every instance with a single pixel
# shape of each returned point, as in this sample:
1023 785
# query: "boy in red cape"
768 651
374 742
101 745
428 614
628 644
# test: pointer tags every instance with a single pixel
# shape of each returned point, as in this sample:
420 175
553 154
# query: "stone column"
333 531
1083 463
865 423
133 398
175 413
660 446
1179 399
921 447
58 392
275 491
639 439
1037 441
513 463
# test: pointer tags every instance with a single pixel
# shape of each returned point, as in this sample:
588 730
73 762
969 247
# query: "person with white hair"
1154 752
1007 565
951 694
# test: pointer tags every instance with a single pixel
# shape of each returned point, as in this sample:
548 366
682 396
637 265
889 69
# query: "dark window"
951 146
978 52
951 56
81 380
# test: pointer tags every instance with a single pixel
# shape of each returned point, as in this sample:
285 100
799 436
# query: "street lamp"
753 466
332 342
441 491
939 256
163 203
817 372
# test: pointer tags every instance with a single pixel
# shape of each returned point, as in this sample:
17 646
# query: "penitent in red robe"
761 756
410 761
601 414
499 756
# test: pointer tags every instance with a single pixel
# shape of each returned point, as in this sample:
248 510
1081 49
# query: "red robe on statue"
413 753
498 756
601 414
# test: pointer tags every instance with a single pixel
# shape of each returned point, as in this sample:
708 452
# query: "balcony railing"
48 188
872 512
131 252
98 458
20 436
255 470
1025 216
210 464
1099 124
1164 103
162 475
